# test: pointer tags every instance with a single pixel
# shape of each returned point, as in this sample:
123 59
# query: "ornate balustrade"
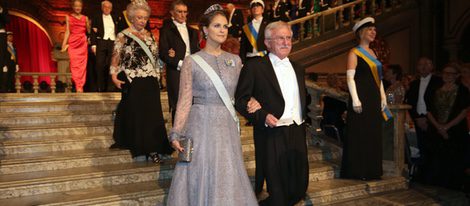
334 18
36 75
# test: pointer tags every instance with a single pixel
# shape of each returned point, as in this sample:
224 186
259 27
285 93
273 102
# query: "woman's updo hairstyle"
73 1
209 14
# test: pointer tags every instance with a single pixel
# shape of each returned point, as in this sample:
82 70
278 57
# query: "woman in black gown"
139 124
362 149
448 133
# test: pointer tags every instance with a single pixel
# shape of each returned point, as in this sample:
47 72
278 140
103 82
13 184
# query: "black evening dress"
446 163
139 124
362 148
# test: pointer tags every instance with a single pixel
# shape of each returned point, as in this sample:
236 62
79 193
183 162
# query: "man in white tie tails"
102 40
177 40
279 131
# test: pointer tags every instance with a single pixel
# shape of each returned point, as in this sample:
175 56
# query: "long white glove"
5 69
17 68
357 106
383 98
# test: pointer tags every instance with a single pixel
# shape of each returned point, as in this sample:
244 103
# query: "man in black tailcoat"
4 54
102 40
236 22
419 97
177 40
279 130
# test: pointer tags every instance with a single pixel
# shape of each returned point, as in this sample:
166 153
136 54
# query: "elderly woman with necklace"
135 69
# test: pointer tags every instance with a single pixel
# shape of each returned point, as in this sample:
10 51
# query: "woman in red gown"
75 41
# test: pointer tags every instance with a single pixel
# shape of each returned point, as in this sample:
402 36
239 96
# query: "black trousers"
104 52
4 59
286 165
10 77
172 88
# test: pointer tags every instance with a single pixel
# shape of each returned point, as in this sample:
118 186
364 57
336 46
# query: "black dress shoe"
156 159
116 146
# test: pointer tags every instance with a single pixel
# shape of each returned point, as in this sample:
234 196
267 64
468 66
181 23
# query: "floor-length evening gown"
362 149
139 124
78 50
216 175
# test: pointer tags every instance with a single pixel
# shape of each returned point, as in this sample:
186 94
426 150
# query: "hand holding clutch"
187 153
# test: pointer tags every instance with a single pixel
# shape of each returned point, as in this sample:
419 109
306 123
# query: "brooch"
230 62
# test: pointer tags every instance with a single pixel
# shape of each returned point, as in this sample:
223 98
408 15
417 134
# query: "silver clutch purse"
187 144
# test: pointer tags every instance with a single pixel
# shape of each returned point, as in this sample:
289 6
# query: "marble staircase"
54 151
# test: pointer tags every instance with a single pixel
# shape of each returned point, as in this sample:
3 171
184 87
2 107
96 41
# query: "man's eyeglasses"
281 38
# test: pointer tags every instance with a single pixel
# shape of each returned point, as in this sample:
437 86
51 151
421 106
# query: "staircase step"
59 106
142 194
54 97
55 143
42 161
59 129
315 154
42 182
40 119
154 193
335 190
34 119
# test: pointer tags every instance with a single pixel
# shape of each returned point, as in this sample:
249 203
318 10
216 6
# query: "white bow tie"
283 62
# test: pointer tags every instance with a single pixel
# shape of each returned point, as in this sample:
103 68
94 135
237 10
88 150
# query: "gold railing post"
363 10
373 8
341 18
316 27
18 83
53 86
69 84
35 83
322 24
351 15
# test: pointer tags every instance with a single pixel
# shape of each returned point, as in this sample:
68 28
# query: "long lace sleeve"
185 99
118 43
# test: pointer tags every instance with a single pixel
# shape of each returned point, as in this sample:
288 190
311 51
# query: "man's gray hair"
106 1
132 8
268 31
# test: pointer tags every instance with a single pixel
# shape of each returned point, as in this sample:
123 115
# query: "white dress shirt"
287 80
230 18
108 25
421 105
256 24
183 30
